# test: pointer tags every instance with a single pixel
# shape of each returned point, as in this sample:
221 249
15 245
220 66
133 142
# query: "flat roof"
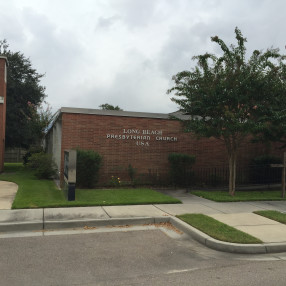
5 58
122 113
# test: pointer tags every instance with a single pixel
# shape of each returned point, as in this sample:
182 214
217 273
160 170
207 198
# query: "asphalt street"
128 256
72 246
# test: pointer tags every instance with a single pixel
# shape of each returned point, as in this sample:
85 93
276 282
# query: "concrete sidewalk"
236 214
260 227
8 191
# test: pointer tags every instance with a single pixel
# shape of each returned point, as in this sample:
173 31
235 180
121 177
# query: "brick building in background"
3 83
142 140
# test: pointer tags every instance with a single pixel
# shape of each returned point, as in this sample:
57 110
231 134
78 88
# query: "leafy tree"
107 106
41 118
25 95
229 97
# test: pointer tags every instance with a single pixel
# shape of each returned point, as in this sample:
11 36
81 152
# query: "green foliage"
181 165
131 174
179 159
32 150
41 118
263 173
43 165
266 160
107 106
25 95
87 168
229 97
115 181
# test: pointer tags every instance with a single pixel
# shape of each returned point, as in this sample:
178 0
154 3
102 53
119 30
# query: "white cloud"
107 22
125 52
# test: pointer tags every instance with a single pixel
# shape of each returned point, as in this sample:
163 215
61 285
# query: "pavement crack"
219 211
260 207
106 212
162 210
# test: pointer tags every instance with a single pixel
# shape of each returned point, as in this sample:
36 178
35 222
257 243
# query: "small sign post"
283 166
69 174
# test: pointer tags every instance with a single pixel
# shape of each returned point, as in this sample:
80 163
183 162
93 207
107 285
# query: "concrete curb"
227 246
48 225
60 224
21 226
42 224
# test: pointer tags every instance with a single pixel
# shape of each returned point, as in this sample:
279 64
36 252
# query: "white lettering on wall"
127 137
141 137
131 131
161 138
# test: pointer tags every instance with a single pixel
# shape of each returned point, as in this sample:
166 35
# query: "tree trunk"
232 172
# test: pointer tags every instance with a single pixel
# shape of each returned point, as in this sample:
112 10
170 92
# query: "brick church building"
124 138
142 140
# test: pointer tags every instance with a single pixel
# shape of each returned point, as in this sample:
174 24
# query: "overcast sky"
125 52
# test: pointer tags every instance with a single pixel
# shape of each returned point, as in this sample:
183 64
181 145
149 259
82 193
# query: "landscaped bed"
217 229
35 193
241 196
274 215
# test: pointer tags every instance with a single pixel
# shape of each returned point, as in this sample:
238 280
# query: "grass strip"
35 193
217 229
138 196
32 193
240 196
274 215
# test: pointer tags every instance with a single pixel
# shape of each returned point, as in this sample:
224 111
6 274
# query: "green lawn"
274 215
240 196
217 229
34 193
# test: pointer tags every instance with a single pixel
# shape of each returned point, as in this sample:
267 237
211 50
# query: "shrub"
115 181
131 174
262 173
30 152
43 165
181 165
266 159
87 168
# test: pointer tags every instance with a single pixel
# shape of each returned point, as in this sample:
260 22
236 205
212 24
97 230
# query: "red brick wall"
2 112
91 132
